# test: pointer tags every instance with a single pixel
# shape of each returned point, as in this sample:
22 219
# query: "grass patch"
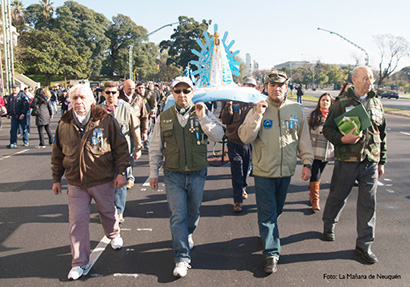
397 112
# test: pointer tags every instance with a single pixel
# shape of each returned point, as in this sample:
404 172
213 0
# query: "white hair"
84 88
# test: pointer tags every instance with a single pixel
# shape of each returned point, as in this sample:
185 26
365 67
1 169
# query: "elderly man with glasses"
357 157
179 145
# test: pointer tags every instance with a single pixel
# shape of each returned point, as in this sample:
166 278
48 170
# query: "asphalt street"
34 243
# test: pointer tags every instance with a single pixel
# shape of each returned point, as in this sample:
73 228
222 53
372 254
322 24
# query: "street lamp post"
139 40
347 40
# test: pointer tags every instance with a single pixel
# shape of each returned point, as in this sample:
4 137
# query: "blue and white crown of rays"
216 65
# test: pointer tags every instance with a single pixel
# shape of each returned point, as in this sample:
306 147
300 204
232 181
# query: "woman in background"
43 111
322 148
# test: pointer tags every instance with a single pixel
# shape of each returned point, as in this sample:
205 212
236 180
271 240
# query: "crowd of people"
102 131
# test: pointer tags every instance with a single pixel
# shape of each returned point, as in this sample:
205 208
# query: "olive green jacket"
372 145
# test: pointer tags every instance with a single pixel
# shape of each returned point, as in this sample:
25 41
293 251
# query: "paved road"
34 245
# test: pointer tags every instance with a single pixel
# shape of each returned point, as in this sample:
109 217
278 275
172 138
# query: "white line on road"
407 134
97 252
125 275
8 156
144 229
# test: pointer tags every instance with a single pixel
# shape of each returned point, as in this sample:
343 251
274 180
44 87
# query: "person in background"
179 144
65 102
3 109
43 112
299 93
344 88
17 108
90 150
240 154
322 148
30 97
357 157
279 132
53 99
129 124
128 94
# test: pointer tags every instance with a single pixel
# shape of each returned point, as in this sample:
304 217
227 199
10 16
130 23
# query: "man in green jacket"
179 144
358 157
279 132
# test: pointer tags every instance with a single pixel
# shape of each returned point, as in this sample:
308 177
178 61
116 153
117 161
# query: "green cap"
276 77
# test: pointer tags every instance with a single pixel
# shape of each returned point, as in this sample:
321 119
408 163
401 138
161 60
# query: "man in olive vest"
179 144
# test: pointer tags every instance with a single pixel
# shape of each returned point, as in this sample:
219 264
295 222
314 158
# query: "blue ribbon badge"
267 124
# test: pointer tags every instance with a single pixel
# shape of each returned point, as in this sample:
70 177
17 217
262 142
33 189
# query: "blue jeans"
15 122
240 157
120 199
130 176
270 199
184 194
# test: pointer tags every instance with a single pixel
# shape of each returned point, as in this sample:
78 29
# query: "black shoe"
328 235
271 265
367 255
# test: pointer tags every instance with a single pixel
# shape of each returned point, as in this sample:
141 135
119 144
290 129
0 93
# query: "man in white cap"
179 144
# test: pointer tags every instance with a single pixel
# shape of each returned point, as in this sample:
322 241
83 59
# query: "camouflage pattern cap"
276 77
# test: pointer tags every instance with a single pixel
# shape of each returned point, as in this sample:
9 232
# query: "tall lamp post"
139 40
347 40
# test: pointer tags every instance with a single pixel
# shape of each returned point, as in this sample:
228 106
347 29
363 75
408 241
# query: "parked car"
389 95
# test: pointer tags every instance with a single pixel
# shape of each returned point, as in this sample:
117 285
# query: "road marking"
144 229
126 275
380 183
8 156
97 252
387 179
407 134
390 190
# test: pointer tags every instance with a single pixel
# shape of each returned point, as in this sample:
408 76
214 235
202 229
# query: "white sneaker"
117 242
78 271
190 241
181 269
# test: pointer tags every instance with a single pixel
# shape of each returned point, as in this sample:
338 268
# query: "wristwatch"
123 173
308 165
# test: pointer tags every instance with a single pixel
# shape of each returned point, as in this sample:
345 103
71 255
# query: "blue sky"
274 31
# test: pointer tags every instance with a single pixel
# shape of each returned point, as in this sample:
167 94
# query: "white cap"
185 80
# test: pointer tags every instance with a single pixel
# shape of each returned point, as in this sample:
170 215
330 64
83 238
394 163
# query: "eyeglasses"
111 92
372 80
185 91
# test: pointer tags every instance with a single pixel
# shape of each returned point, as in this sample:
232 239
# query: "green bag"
346 124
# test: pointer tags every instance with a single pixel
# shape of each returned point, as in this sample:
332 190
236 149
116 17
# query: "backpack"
35 110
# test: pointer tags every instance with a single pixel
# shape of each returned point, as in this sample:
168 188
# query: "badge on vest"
267 124
97 139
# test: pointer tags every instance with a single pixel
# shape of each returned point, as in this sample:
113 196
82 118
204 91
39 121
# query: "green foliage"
122 33
88 28
183 40
51 53
40 15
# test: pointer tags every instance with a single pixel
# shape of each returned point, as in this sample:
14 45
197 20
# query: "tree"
183 40
392 50
40 15
17 15
50 53
88 28
122 33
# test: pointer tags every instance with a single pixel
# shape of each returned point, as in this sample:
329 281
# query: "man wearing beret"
279 132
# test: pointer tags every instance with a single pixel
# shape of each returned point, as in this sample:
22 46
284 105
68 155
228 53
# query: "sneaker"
25 144
120 218
190 241
117 242
78 271
41 146
11 146
181 269
244 194
271 264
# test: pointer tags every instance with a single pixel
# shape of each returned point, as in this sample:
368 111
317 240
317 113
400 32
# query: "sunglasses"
110 92
185 91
